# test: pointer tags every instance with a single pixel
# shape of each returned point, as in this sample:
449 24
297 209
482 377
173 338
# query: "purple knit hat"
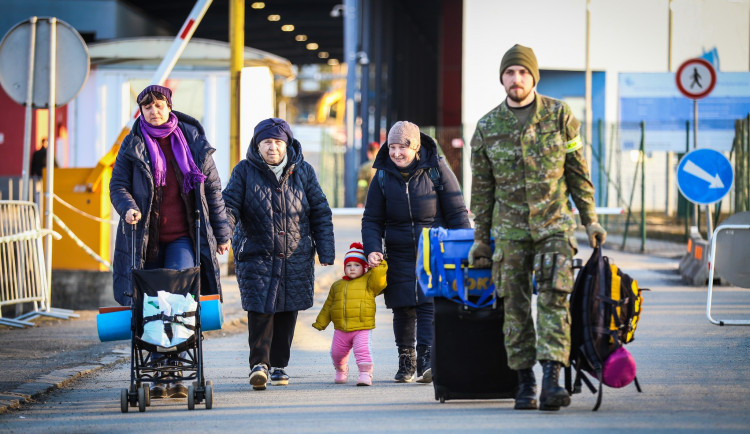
167 92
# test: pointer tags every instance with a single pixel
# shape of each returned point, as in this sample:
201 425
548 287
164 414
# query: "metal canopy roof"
198 52
311 18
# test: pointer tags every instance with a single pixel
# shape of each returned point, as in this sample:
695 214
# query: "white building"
625 38
121 68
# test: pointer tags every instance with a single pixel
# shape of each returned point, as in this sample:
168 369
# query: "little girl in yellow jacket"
351 307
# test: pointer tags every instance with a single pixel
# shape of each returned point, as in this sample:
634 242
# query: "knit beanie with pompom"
356 253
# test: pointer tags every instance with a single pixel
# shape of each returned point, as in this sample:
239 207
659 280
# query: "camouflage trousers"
512 265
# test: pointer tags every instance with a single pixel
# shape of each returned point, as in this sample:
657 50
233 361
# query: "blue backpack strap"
381 181
436 260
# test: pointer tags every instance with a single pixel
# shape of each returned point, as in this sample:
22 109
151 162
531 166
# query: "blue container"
442 272
212 314
114 326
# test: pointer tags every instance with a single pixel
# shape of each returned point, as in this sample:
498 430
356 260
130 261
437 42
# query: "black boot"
424 369
407 360
526 396
553 396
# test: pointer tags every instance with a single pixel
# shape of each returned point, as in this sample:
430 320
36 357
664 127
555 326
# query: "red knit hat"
356 253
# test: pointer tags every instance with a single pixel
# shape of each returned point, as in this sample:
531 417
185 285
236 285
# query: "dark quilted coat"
279 225
132 186
407 208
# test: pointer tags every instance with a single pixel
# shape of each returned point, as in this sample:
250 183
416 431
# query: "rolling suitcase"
468 325
468 353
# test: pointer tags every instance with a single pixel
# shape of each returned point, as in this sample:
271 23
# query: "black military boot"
526 396
424 369
553 396
407 361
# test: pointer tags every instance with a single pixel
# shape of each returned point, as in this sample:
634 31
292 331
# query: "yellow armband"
573 145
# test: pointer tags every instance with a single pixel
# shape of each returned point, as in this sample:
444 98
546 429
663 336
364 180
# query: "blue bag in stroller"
443 268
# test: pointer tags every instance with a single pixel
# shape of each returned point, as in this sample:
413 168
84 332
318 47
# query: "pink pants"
359 341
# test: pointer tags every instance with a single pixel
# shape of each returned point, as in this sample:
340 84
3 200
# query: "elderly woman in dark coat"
159 168
281 218
417 190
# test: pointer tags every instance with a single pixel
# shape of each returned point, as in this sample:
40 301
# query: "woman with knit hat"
160 166
281 218
415 189
351 307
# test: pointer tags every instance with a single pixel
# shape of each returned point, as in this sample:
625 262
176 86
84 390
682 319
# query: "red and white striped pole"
177 47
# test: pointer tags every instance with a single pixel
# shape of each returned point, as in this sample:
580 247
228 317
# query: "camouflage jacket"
523 174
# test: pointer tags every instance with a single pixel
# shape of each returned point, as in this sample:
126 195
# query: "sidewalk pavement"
37 360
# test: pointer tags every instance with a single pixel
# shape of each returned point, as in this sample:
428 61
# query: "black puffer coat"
407 208
132 186
279 227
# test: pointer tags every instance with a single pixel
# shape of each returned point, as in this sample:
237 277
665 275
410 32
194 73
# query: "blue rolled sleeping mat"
114 323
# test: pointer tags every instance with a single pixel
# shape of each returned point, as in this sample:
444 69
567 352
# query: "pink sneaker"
364 379
342 374
365 374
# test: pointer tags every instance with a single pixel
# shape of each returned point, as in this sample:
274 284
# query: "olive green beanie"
523 56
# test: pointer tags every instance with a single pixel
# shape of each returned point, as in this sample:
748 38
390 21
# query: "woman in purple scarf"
159 167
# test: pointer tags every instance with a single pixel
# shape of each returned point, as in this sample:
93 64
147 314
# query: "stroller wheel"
124 400
209 394
147 392
142 399
191 398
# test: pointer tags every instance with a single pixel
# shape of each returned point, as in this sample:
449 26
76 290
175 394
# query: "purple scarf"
192 175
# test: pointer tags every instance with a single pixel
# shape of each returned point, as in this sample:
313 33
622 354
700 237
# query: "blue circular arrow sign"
704 176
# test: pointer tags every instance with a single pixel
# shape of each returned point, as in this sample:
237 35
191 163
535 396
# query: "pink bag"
619 368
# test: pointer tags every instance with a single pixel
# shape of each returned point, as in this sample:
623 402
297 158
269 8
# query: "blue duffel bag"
443 269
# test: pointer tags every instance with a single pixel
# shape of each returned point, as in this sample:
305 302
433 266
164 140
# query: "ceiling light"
333 62
300 38
258 5
287 28
274 17
323 55
312 46
337 11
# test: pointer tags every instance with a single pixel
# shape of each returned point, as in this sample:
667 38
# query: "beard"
517 94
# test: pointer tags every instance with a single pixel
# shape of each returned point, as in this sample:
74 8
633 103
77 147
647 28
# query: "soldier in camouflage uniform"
526 159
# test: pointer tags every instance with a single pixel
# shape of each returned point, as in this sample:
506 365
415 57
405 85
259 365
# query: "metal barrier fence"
23 278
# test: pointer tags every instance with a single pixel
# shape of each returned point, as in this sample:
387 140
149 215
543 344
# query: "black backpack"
605 307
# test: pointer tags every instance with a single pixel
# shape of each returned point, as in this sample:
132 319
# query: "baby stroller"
178 357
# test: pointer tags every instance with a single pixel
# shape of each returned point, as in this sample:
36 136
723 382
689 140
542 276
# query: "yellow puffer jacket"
351 303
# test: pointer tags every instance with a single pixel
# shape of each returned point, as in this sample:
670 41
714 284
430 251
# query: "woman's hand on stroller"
133 216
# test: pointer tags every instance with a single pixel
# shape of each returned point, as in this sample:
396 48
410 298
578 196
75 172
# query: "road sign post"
696 78
31 75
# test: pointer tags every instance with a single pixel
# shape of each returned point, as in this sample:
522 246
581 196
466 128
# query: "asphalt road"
695 376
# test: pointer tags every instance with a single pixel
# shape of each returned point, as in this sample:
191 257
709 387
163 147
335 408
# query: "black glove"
480 255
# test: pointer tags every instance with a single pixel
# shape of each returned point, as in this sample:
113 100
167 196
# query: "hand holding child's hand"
374 259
